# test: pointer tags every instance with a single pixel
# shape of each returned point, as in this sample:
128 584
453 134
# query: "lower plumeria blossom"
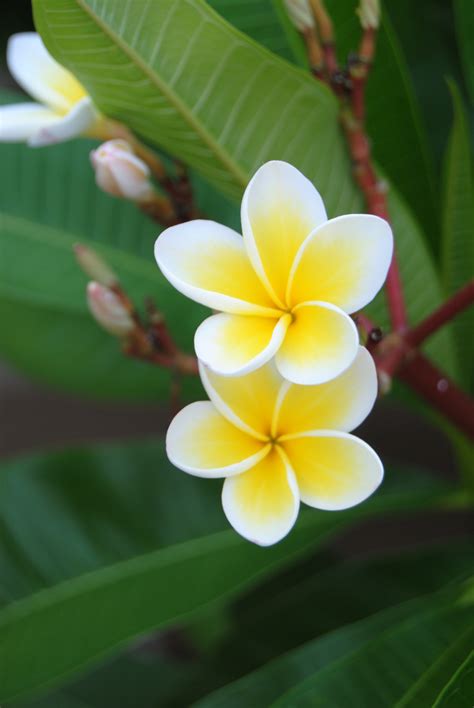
64 109
278 443
286 288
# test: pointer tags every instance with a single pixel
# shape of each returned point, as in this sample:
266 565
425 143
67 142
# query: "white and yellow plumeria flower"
64 109
287 288
277 443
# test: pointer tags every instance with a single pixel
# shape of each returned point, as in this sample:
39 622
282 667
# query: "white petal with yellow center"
233 345
321 342
344 262
20 121
246 401
280 208
207 262
334 470
262 504
203 443
340 404
40 75
80 119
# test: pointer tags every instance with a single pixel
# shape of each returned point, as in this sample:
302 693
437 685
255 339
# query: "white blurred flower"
64 110
300 14
121 173
108 310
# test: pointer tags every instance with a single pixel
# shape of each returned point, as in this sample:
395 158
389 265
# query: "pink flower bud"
121 173
108 311
94 266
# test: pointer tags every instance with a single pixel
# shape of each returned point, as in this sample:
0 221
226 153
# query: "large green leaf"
195 88
143 677
458 691
72 534
372 662
458 231
464 17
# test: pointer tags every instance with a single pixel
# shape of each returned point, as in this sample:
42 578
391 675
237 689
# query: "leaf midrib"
239 174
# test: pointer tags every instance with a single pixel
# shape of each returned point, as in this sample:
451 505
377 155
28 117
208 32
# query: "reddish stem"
446 312
438 390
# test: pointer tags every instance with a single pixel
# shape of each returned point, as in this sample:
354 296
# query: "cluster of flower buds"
118 171
105 304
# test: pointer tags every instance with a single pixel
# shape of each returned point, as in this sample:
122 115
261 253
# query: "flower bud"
108 310
299 12
94 266
121 173
369 14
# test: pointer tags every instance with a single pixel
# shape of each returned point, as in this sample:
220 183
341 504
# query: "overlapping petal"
321 342
340 404
202 442
262 504
280 208
334 470
235 344
247 401
344 262
20 121
40 75
80 119
207 262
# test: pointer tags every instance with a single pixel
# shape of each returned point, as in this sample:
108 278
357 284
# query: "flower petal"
280 208
202 442
321 342
40 75
232 345
246 401
78 121
207 262
263 503
340 404
334 470
345 262
19 121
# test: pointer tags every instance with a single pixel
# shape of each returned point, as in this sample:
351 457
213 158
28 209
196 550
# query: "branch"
438 390
446 312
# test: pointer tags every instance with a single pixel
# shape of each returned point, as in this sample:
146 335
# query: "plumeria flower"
64 109
286 288
277 443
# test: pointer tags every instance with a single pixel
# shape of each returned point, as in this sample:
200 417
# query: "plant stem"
438 390
446 312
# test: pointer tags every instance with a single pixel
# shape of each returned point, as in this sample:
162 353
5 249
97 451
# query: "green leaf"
357 665
464 18
195 87
60 529
343 592
458 230
458 691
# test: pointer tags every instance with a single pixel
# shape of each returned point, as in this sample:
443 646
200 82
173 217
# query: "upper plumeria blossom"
277 443
64 109
287 288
